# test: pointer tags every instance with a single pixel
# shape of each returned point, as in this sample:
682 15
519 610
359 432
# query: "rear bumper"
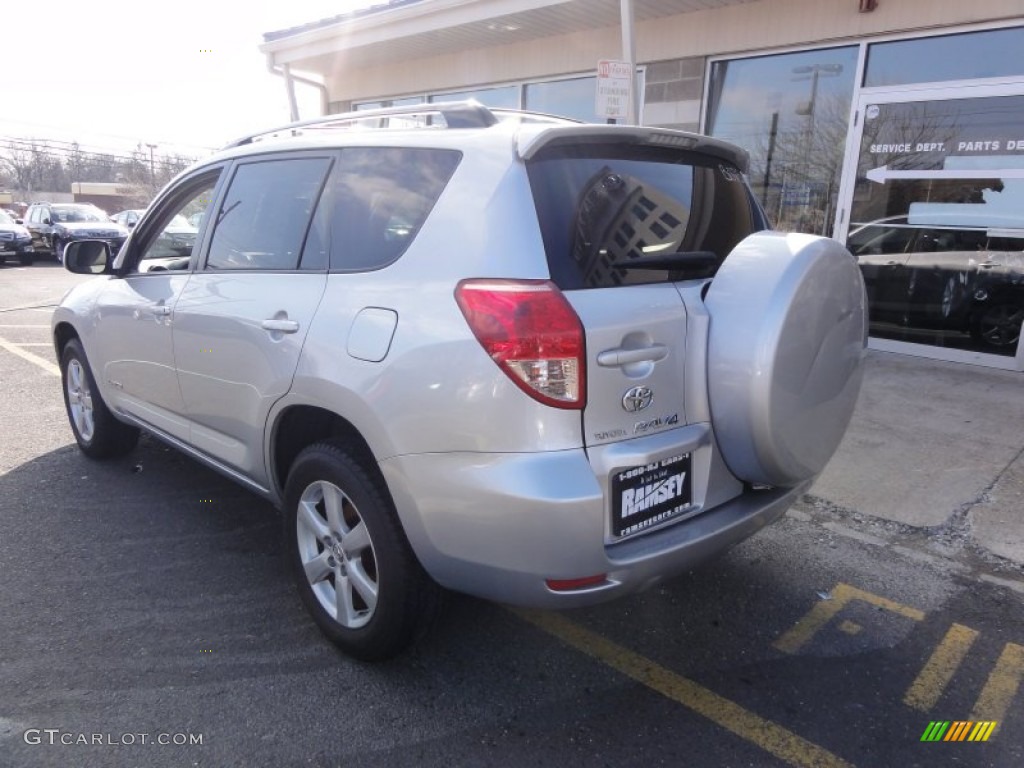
499 525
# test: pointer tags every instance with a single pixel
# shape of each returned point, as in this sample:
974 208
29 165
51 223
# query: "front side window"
628 215
262 221
168 242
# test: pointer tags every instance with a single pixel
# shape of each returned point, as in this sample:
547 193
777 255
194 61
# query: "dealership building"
894 126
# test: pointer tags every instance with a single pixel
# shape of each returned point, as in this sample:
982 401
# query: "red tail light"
532 333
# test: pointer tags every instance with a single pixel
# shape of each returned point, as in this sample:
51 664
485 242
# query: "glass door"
934 192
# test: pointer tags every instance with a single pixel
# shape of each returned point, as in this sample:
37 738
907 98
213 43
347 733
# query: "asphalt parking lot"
145 601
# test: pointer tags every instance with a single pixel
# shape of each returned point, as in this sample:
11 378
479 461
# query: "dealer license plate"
647 496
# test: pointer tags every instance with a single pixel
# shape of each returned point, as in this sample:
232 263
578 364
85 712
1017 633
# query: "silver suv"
537 361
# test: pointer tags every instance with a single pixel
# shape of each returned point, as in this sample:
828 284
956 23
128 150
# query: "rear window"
603 207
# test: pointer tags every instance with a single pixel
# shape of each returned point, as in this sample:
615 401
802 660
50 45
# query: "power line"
60 151
121 139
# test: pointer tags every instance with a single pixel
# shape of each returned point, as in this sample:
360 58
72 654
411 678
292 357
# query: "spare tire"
786 343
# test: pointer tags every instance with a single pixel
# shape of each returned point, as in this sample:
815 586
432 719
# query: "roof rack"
456 114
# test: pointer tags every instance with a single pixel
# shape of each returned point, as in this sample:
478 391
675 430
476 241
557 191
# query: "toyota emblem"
636 399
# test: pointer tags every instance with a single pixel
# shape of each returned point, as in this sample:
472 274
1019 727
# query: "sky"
187 76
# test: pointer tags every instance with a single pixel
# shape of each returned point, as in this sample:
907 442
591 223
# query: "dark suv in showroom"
963 279
54 225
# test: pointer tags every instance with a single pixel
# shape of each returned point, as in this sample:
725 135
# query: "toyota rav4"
532 360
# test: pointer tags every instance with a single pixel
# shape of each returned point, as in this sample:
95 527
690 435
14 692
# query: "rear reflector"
532 332
568 585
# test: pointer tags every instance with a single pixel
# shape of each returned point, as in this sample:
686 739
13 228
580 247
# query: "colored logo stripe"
958 730
935 730
982 731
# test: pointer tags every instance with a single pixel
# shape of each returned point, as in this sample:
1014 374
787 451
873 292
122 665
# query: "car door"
34 224
882 250
241 320
135 316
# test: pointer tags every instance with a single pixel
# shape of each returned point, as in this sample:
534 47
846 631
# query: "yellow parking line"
43 363
825 611
1002 685
925 691
765 734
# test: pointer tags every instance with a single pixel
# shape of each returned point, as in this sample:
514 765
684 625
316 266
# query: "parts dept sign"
950 134
982 146
955 139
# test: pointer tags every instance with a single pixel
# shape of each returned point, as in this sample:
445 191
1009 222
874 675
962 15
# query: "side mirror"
131 224
47 221
87 257
19 221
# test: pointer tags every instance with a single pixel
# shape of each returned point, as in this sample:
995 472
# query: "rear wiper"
690 263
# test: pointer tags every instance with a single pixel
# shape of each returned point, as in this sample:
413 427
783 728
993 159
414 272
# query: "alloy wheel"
80 400
337 554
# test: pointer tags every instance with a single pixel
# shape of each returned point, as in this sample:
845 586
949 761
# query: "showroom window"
568 98
503 97
791 112
573 97
970 55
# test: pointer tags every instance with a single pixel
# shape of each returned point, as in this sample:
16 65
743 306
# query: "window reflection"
937 222
992 53
502 97
791 112
568 98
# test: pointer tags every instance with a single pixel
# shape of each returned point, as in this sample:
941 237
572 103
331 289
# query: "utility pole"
152 169
629 55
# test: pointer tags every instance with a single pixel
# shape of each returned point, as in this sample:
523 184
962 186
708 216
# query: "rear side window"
376 202
603 208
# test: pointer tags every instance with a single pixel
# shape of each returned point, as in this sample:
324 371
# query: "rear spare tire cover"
787 336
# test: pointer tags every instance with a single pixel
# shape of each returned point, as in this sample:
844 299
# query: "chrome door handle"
280 325
161 310
613 358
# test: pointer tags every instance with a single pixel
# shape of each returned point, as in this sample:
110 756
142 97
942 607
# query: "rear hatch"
631 224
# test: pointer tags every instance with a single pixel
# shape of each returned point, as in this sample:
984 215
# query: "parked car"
129 218
54 225
954 278
173 246
15 241
532 360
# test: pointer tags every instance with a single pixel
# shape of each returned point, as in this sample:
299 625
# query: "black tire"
26 259
377 557
998 325
98 433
